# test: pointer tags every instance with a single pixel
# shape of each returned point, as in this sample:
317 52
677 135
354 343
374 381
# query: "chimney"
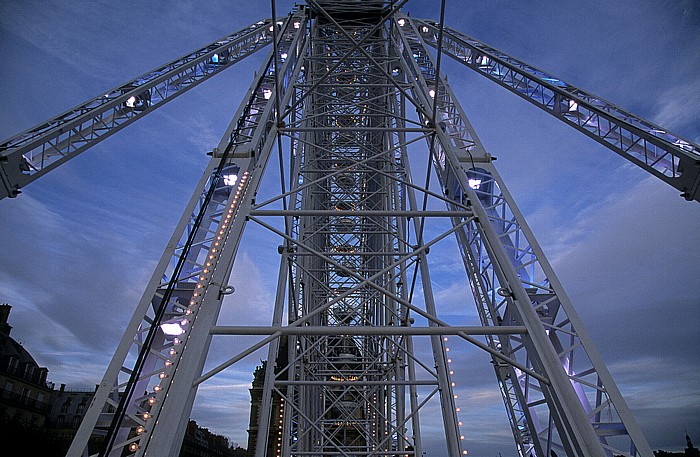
63 387
5 328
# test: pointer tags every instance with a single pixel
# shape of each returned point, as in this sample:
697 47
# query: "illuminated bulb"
145 416
452 372
444 339
199 286
152 401
156 389
461 437
465 452
459 423
230 180
133 447
184 322
172 328
453 384
449 360
176 341
168 363
131 102
188 312
140 429
267 93
401 22
162 375
283 55
454 396
458 409
447 349
297 25
172 351
432 93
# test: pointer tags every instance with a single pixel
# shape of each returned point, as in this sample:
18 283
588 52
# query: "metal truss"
354 294
667 156
163 351
34 152
579 413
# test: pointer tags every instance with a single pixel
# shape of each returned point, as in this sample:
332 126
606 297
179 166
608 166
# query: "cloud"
678 106
46 260
79 245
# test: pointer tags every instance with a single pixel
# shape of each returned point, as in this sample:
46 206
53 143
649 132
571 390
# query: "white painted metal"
342 350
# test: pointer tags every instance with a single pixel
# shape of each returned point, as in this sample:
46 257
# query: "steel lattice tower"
335 100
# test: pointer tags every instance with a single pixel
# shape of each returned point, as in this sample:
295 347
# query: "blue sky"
80 243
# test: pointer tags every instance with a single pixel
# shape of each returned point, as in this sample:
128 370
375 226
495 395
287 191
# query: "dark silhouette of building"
274 430
690 450
24 392
276 417
200 442
68 406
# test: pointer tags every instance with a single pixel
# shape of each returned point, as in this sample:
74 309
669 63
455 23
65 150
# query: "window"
9 386
12 365
65 406
76 421
81 407
60 421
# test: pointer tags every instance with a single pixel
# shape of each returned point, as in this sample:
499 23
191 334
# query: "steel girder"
38 150
163 351
345 394
579 409
667 156
336 91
